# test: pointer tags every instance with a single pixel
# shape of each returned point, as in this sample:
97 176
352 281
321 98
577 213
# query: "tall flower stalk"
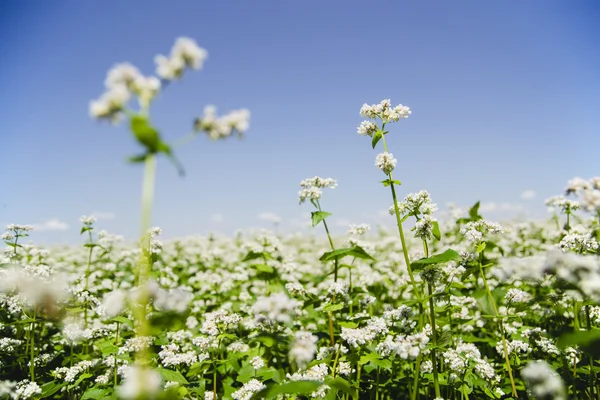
123 82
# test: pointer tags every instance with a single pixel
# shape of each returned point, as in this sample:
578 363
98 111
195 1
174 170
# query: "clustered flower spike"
588 192
415 204
312 188
386 162
125 80
184 53
237 121
384 111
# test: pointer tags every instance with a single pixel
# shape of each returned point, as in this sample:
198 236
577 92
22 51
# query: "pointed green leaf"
170 375
448 255
436 230
474 212
318 216
376 138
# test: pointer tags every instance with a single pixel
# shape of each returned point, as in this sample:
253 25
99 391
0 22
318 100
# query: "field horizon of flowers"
455 308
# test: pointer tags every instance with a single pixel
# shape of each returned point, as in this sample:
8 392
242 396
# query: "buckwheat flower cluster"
34 286
385 162
26 390
140 383
257 362
581 243
303 348
466 356
344 368
70 374
136 344
514 347
385 111
367 128
338 288
248 390
404 346
121 82
415 204
16 230
542 381
237 121
577 185
516 296
312 188
275 308
424 227
315 373
155 244
219 321
185 53
359 230
476 231
579 270
562 203
357 337
171 354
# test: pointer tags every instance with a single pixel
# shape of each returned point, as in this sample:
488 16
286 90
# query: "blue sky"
504 97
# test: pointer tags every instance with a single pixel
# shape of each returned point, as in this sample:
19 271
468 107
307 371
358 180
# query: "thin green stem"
87 279
32 348
501 324
399 223
357 392
145 261
436 383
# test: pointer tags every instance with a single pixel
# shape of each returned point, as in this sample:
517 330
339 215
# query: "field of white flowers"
456 308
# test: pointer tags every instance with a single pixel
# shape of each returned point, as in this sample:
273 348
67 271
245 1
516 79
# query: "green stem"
145 258
32 349
357 392
505 347
87 280
335 361
436 383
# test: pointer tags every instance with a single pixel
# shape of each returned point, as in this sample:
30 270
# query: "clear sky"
505 97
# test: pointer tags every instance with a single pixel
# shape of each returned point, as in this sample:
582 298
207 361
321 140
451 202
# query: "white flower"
140 382
303 348
542 381
257 362
248 389
386 162
114 303
110 104
359 229
367 128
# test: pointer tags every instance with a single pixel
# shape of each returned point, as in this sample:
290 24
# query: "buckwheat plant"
125 82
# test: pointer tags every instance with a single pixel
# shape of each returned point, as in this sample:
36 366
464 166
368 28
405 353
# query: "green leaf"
579 338
359 252
95 393
376 138
145 133
388 182
170 375
333 307
436 230
297 387
474 212
448 255
48 389
268 341
335 254
318 216
263 268
106 347
340 384
367 358
481 247
123 320
347 324
137 159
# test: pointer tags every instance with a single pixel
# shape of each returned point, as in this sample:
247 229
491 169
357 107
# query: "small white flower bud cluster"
237 121
312 188
385 162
